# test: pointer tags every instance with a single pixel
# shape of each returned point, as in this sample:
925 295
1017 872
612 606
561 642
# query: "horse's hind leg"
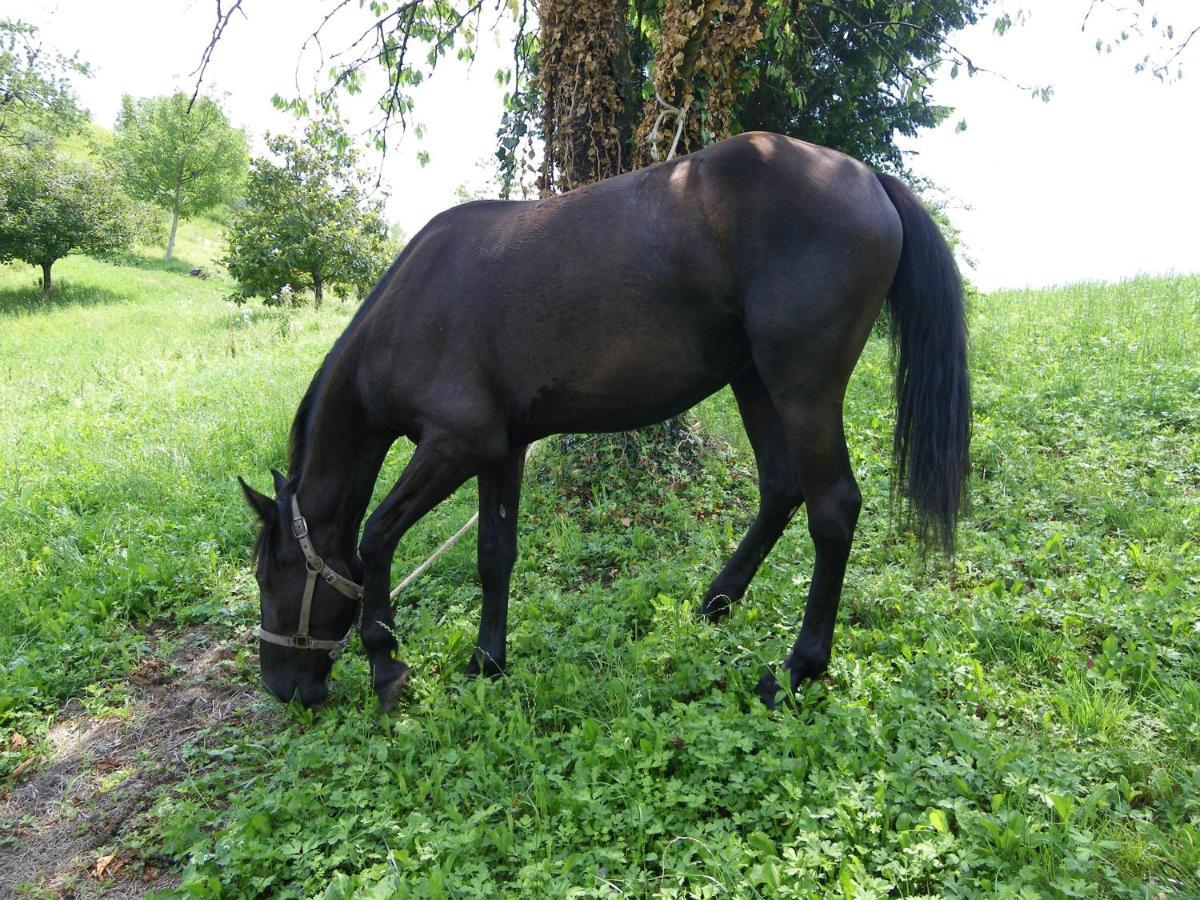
778 489
438 466
805 343
499 496
833 500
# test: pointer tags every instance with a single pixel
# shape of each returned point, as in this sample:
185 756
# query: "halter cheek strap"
316 567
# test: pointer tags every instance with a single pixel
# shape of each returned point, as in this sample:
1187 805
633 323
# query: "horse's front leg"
437 468
499 498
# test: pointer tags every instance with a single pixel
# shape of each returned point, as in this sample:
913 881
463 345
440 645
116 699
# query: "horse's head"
308 607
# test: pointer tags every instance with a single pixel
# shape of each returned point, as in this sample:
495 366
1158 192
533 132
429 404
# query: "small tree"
185 162
51 206
310 220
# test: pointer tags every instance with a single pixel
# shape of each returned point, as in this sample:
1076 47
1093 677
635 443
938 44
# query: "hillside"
1025 718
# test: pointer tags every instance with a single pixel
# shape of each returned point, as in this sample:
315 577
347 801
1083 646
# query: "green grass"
1022 722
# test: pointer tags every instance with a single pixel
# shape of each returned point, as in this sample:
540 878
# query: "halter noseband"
316 566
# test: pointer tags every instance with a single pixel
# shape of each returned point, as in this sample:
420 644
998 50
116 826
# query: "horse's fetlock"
376 637
807 661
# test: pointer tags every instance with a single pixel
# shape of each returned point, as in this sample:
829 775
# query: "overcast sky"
1099 183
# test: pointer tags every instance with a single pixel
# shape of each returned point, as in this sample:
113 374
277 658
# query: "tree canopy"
311 218
36 97
51 206
181 156
605 85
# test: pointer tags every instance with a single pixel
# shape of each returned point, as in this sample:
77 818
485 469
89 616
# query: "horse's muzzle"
310 692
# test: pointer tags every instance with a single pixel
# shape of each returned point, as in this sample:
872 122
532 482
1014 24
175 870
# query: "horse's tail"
933 394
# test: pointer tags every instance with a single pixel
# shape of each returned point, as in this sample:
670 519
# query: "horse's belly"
617 380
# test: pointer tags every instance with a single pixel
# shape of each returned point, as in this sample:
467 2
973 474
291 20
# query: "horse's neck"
341 462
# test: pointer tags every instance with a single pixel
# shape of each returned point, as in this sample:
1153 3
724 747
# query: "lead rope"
446 545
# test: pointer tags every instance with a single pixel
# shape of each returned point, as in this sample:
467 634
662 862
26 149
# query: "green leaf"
937 818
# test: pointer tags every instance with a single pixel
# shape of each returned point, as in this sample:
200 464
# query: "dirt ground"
65 824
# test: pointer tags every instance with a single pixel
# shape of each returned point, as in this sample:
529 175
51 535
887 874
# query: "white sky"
1101 183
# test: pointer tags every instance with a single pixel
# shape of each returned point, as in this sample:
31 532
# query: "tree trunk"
47 285
174 221
584 51
317 296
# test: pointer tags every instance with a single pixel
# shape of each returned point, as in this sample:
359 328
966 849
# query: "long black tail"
933 393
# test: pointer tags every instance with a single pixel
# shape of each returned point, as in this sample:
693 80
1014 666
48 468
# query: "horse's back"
619 303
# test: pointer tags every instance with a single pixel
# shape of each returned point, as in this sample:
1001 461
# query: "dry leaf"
18 741
25 765
107 865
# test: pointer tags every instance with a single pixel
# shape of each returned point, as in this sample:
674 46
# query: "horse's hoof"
389 691
769 691
716 607
488 667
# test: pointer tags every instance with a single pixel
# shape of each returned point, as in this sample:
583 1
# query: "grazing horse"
760 262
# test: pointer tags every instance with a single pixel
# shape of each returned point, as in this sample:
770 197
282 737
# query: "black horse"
760 262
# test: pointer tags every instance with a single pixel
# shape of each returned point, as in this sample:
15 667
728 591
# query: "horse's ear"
263 505
280 481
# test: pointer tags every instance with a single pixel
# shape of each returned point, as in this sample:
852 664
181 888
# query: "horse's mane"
298 439
301 424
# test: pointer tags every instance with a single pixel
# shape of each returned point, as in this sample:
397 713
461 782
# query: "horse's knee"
374 548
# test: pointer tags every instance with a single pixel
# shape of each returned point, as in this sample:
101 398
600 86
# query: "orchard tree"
311 219
35 86
181 156
51 206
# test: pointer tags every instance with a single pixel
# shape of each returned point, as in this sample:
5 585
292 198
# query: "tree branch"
223 18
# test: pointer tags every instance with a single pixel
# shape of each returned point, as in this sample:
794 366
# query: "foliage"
705 57
36 98
309 220
851 74
181 156
595 77
51 206
1163 44
1023 723
838 81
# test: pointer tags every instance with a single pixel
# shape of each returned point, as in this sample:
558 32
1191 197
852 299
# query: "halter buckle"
302 641
299 528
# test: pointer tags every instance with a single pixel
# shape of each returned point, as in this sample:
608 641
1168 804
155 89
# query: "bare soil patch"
65 823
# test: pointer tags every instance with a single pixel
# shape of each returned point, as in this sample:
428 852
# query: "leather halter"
316 567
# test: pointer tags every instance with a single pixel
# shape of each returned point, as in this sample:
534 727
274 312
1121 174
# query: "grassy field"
1023 722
